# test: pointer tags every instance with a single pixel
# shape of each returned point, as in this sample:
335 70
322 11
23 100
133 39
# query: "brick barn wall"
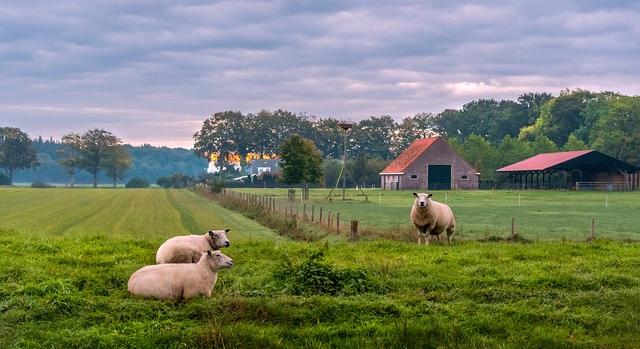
439 153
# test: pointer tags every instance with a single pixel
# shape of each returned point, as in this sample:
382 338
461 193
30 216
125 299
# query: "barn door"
439 177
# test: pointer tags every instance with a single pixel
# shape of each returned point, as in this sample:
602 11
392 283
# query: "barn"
579 170
429 164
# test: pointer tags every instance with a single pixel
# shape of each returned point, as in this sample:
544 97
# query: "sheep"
431 217
179 281
187 249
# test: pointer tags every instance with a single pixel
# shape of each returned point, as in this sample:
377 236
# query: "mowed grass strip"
540 215
150 214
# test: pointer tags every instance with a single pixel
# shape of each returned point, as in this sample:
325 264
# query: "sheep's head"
219 259
422 199
218 239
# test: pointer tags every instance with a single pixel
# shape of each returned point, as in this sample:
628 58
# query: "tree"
301 161
513 150
560 116
164 182
372 137
328 137
616 132
573 143
116 162
543 144
411 129
70 155
95 144
137 182
481 155
16 152
222 134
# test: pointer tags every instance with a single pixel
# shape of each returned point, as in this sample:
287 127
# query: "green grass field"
540 215
66 255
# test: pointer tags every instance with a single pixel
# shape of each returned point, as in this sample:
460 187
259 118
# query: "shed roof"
403 160
567 160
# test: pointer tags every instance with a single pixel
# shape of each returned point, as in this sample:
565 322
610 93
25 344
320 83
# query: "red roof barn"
430 164
580 169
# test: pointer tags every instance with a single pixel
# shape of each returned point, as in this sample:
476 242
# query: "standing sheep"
431 217
187 249
179 281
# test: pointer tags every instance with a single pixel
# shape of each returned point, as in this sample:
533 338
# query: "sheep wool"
188 249
179 281
431 218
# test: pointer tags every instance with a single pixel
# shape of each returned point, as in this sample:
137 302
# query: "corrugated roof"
544 161
409 155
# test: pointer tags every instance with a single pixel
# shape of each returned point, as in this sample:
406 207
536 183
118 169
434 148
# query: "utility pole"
345 126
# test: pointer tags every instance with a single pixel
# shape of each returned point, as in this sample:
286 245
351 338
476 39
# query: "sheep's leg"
449 234
419 238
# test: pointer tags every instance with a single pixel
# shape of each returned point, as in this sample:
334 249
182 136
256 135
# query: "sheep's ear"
211 233
415 194
209 252
429 195
226 230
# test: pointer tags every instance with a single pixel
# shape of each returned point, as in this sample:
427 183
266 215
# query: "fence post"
514 235
329 220
313 211
337 222
320 215
304 212
593 229
354 230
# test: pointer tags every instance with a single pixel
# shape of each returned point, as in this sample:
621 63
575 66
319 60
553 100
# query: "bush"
41 185
164 182
217 186
137 182
4 180
315 276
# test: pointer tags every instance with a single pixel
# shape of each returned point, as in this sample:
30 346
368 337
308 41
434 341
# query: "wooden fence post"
514 235
320 215
337 222
593 229
304 212
354 230
313 211
329 220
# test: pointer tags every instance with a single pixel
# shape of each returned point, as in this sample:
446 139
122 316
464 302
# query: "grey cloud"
153 69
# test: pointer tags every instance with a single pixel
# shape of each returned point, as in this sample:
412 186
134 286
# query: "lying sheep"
187 249
431 217
179 281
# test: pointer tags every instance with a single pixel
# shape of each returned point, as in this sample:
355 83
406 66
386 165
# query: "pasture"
66 255
540 215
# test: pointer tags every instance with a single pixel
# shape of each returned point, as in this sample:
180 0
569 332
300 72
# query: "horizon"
152 72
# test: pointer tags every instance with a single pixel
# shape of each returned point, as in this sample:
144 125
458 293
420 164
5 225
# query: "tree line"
488 133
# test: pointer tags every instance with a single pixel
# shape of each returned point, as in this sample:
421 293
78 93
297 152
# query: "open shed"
579 170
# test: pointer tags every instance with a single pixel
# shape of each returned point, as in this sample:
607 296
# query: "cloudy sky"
151 70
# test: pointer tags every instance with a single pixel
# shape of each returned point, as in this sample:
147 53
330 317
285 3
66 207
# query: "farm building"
260 166
579 170
429 164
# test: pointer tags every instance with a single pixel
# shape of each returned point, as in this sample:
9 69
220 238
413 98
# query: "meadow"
539 215
66 255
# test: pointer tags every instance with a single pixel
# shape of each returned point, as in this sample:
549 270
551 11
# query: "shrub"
4 180
217 186
164 182
315 276
137 182
40 185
